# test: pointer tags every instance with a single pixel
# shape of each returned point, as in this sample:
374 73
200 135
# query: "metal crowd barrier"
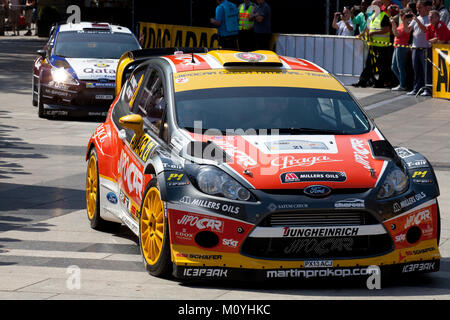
342 56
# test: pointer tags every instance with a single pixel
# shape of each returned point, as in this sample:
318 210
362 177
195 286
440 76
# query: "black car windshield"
100 45
291 110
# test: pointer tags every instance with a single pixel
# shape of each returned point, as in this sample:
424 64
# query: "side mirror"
42 53
133 122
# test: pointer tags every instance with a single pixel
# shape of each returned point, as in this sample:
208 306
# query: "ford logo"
317 191
112 197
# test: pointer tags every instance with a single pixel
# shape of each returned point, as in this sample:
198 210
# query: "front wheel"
93 192
154 233
40 104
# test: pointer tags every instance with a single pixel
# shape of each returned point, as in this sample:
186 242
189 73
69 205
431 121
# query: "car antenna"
193 60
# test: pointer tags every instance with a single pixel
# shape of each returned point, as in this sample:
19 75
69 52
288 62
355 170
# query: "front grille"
297 192
317 248
297 248
321 218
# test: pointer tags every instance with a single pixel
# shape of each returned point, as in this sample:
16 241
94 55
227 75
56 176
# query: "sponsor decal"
101 65
100 135
207 272
230 243
142 146
124 199
427 230
409 253
350 203
416 164
241 157
424 266
199 256
319 264
181 80
250 56
400 238
96 114
218 206
291 161
403 152
408 202
172 166
289 177
92 85
319 246
361 152
175 176
317 191
418 218
184 235
285 206
328 272
131 175
302 232
421 177
111 196
201 223
420 174
106 72
290 145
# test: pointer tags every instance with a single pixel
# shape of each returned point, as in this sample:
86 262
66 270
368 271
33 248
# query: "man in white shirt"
345 26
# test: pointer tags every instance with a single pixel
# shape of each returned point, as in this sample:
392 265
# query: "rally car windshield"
94 45
291 110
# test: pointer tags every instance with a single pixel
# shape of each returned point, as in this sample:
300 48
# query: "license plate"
103 96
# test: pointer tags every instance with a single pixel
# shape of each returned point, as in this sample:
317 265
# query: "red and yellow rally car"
237 165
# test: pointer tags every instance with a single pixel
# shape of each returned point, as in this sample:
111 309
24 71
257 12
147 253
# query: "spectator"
3 8
263 33
28 15
437 31
443 12
379 30
345 26
420 49
385 4
246 24
402 33
14 14
227 23
360 21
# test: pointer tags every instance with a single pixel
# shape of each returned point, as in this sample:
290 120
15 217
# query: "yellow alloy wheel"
91 187
152 226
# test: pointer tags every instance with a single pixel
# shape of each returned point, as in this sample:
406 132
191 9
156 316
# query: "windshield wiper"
307 130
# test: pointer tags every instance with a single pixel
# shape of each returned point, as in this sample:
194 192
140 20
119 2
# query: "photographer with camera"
342 23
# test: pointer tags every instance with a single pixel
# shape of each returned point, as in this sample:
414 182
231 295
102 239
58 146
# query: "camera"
409 15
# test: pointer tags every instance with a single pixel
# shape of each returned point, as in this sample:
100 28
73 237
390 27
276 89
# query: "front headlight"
396 182
213 181
61 75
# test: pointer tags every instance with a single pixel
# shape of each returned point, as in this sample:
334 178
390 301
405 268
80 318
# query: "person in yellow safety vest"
246 35
378 31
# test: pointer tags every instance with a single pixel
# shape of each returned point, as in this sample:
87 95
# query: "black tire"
93 188
33 90
162 267
40 104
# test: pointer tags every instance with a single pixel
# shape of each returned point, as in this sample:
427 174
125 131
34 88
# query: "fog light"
206 239
413 235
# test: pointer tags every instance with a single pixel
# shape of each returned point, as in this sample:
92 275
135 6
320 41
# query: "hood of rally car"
93 69
298 161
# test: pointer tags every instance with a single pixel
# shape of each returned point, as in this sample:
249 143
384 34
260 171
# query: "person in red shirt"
437 31
401 33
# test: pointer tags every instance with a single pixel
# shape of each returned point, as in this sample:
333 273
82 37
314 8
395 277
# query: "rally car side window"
151 104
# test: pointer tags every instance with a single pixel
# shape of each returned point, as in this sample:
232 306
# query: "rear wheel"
154 233
93 192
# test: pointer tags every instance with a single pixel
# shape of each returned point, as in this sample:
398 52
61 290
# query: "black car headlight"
395 183
214 181
61 75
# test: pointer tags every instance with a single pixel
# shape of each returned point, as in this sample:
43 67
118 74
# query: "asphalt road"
45 237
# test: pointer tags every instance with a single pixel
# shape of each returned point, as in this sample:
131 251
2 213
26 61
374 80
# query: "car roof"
93 27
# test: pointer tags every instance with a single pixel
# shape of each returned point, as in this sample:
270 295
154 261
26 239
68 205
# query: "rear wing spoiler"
130 59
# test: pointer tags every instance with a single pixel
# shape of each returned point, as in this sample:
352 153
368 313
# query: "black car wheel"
40 104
